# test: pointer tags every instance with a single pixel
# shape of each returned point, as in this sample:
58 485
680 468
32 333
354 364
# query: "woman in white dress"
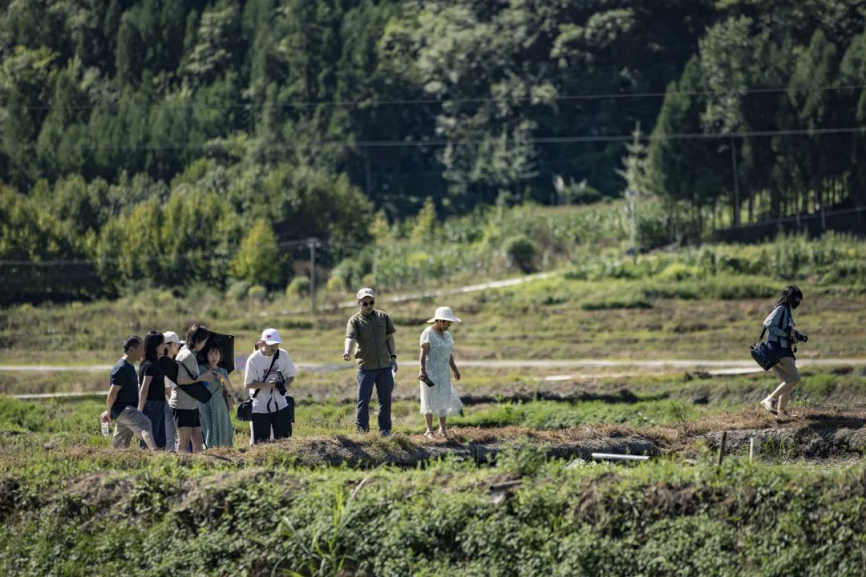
437 395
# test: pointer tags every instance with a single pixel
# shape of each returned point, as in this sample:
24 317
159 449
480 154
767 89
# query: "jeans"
170 432
155 411
384 382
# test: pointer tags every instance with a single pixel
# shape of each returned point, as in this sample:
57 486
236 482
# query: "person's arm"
772 323
109 402
143 390
348 349
261 385
251 379
187 378
349 345
454 368
392 350
425 350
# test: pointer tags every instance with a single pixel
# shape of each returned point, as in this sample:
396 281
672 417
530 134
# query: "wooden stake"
722 446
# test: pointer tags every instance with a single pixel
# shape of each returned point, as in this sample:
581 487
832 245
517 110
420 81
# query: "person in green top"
216 422
373 332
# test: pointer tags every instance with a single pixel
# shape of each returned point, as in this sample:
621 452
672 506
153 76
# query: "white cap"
444 314
271 337
171 337
366 292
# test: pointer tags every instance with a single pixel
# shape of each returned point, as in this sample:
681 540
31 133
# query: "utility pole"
736 183
632 209
313 243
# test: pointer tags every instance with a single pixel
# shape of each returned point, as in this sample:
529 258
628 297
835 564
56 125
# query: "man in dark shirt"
373 331
122 401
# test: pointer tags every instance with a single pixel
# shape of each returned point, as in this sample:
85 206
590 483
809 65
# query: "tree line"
147 141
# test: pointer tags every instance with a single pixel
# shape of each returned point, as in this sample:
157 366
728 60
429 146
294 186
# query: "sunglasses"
368 303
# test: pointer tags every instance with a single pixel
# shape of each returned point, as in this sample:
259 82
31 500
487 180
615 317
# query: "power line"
541 140
167 258
429 101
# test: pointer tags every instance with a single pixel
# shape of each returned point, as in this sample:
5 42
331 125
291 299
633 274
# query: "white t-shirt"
257 365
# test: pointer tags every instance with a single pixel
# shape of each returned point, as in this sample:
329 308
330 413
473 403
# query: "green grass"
166 516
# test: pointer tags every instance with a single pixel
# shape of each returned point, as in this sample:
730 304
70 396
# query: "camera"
801 337
280 382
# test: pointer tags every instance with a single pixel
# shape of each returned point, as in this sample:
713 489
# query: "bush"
300 286
520 251
618 299
237 290
678 271
257 292
335 284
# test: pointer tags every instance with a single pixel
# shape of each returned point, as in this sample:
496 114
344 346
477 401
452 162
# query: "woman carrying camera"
216 422
437 395
781 338
269 371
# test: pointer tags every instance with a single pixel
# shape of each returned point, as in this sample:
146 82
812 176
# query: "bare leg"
443 430
197 440
428 418
183 436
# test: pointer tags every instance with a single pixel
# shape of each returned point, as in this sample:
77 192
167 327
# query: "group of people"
162 405
159 405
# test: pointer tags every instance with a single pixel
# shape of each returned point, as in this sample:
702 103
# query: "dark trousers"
155 411
384 381
280 422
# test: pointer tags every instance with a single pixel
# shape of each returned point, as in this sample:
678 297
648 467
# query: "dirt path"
721 367
408 297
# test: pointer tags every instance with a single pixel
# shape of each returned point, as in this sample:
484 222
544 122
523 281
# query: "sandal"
428 433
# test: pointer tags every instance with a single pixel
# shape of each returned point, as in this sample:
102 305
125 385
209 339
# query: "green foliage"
520 251
258 258
299 287
257 293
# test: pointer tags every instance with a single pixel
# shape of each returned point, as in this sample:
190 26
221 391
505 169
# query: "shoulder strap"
274 360
781 319
186 369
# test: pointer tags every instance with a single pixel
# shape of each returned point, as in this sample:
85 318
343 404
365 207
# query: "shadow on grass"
622 396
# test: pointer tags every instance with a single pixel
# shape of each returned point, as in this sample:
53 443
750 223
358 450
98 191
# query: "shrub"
679 271
237 290
257 292
520 251
300 286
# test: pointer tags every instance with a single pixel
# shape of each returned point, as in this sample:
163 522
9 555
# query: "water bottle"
104 428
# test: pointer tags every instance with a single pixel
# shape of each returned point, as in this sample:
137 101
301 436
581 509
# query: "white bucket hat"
444 314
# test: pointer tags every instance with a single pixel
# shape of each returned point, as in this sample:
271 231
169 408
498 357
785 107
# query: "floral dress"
440 399
216 423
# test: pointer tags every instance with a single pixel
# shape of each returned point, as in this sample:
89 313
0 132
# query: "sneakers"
770 404
386 433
